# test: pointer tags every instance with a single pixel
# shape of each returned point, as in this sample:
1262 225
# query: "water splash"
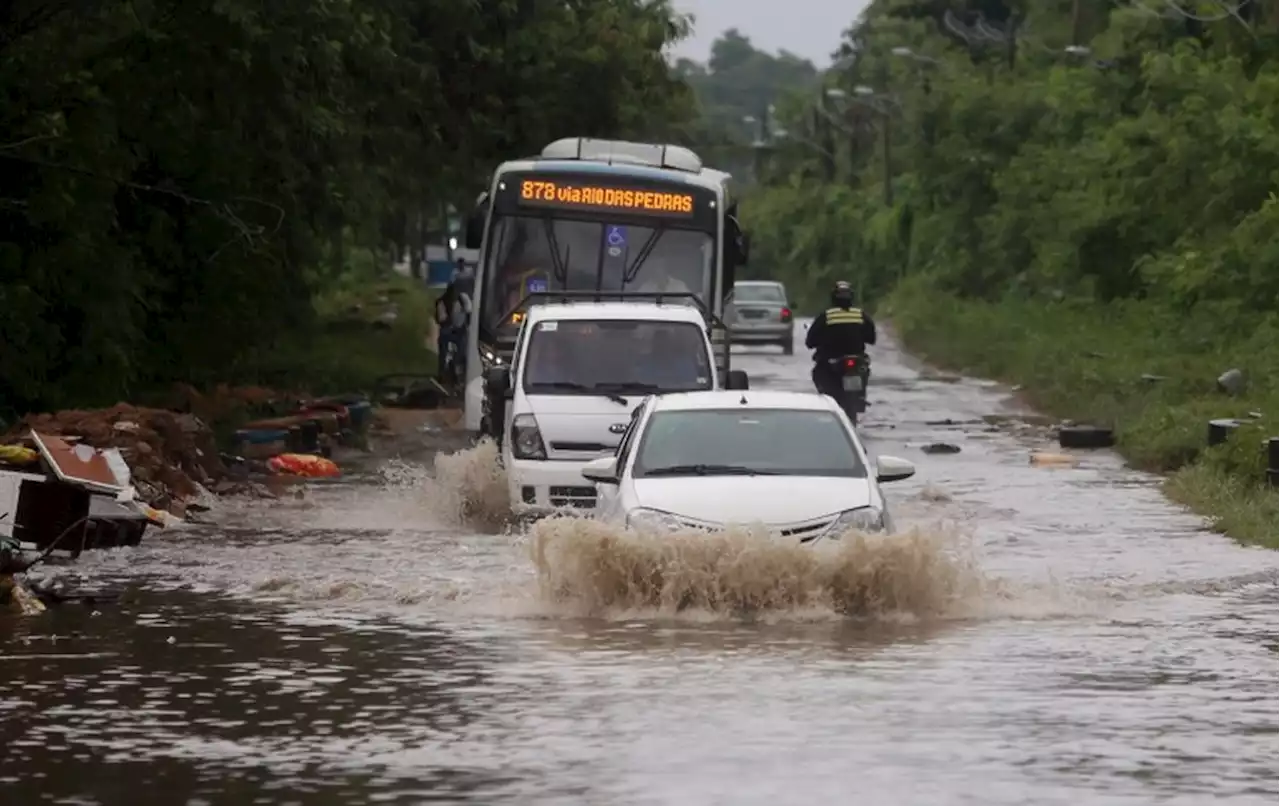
469 488
597 569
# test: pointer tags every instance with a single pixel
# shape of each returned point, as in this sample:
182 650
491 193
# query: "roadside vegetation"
191 191
1066 201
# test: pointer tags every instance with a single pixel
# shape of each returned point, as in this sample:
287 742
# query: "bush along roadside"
1139 368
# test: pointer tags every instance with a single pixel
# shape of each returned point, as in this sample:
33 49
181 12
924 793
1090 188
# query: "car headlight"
652 520
526 439
863 519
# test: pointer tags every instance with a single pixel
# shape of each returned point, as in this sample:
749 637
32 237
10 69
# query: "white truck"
580 368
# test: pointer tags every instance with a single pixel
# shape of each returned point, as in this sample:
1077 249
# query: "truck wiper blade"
707 470
580 387
629 387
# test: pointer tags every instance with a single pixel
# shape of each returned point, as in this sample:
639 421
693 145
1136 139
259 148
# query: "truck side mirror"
497 380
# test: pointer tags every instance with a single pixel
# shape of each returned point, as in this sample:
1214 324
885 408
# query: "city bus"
606 216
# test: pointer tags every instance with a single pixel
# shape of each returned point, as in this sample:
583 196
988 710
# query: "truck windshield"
538 253
581 357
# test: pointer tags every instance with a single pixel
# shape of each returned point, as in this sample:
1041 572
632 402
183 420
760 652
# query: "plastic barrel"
361 414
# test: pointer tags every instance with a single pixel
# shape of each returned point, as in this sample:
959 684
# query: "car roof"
647 311
758 282
734 399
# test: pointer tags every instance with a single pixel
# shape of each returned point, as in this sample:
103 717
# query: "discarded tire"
941 447
1220 430
1086 436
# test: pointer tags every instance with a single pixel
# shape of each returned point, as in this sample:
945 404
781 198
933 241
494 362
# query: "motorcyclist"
840 330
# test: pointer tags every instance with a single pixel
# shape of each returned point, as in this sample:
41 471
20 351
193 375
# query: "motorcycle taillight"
850 363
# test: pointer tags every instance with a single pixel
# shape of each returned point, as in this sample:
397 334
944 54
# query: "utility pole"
886 134
823 136
761 143
888 159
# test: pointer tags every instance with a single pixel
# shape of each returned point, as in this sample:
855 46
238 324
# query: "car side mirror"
601 471
737 380
891 468
497 379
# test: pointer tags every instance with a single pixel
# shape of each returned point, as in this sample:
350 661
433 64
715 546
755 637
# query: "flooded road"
1073 639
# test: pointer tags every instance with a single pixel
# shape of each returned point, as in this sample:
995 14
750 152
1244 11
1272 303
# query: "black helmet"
841 294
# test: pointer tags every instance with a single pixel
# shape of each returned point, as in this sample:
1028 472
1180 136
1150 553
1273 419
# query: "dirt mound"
171 455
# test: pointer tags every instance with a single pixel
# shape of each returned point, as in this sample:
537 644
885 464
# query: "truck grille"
576 497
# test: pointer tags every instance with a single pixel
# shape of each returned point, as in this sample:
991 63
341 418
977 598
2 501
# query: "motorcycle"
853 371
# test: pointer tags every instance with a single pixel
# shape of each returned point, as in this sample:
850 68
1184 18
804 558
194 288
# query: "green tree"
180 178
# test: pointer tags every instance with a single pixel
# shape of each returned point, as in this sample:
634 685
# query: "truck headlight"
526 439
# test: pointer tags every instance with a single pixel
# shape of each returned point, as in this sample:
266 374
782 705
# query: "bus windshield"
541 253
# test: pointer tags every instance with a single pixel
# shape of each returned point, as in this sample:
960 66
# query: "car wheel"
788 347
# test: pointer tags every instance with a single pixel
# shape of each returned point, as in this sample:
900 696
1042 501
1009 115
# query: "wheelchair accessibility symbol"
616 237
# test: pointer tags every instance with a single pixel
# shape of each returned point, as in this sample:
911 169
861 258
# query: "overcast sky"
807 28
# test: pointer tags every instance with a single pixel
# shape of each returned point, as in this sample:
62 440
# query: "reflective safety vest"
843 316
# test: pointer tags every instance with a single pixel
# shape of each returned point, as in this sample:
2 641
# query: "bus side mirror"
738 245
475 222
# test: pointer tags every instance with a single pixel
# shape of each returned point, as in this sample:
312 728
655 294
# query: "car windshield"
533 254
782 442
583 357
759 293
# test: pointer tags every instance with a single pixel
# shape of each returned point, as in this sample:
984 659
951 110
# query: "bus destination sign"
579 195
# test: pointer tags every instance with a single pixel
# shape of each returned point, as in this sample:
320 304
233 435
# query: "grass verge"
348 349
1136 368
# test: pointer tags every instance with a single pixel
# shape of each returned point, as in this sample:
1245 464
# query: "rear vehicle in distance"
706 460
759 313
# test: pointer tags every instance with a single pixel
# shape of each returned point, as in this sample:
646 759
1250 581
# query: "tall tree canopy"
1050 149
178 177
734 92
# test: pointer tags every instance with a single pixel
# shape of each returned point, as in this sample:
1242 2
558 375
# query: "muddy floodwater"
1044 635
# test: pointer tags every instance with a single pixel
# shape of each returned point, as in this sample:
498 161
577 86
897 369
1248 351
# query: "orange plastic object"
303 464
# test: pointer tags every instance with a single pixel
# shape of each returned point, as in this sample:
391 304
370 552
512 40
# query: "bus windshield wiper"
580 387
707 470
558 264
643 254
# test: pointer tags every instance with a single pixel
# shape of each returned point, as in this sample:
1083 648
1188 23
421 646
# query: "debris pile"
172 457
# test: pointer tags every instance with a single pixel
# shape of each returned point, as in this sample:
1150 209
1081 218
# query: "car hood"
579 424
772 500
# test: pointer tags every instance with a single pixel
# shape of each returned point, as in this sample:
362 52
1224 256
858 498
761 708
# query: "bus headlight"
488 357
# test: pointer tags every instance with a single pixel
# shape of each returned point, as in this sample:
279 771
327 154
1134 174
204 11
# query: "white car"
578 372
788 460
